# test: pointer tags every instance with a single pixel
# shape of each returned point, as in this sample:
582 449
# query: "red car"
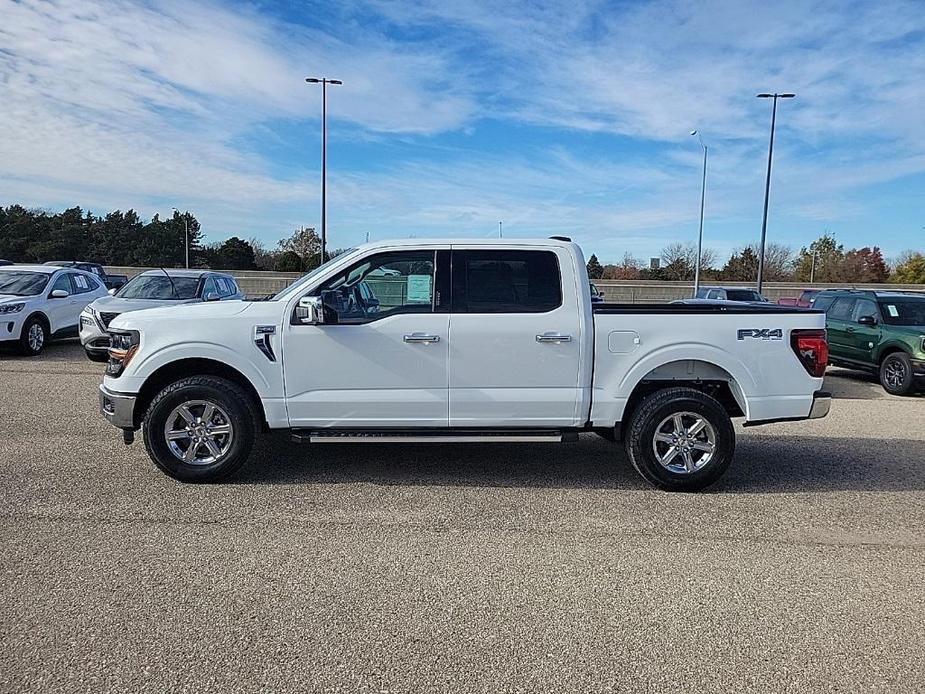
805 300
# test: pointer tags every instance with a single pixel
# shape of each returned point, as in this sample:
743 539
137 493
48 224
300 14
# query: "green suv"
878 331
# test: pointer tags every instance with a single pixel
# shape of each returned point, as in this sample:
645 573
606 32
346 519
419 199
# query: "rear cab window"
506 281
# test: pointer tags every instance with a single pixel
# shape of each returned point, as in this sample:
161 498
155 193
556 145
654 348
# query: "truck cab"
459 341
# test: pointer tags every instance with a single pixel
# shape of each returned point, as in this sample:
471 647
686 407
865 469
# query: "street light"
186 230
703 193
767 185
324 82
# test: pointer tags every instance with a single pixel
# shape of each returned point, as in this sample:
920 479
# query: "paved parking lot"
546 568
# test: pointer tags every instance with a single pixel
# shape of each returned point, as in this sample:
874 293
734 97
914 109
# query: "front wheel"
200 429
680 439
896 374
33 337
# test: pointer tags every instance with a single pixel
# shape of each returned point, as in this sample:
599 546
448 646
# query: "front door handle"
849 329
553 337
423 338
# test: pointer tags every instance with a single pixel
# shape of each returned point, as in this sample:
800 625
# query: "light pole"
767 185
703 193
500 232
324 82
186 232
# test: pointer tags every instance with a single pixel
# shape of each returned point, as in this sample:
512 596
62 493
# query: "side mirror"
112 292
310 311
867 320
211 296
59 294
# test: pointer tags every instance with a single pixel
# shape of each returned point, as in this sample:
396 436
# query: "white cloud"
148 105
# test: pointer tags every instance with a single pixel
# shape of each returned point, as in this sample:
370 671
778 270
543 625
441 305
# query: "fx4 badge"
761 334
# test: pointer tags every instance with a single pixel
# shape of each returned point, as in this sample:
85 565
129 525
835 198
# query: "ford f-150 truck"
412 341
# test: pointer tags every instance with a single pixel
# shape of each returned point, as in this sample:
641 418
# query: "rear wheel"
896 374
33 337
680 439
200 429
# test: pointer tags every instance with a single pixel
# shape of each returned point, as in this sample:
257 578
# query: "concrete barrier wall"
257 283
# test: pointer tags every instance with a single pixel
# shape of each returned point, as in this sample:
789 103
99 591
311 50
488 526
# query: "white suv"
39 303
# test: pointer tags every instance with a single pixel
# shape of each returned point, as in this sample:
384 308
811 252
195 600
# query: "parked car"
730 294
151 289
489 341
596 296
39 303
804 300
878 331
111 281
5 262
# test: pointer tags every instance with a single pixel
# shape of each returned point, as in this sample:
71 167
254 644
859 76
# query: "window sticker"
891 309
82 282
418 289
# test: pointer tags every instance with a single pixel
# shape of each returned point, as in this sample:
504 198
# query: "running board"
433 436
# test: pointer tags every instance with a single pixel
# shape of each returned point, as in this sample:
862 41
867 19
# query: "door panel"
838 316
863 339
514 344
367 375
384 363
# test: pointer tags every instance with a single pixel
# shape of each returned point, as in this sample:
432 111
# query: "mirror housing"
211 296
867 320
310 311
59 294
112 292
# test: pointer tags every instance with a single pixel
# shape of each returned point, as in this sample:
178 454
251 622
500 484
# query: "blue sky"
555 117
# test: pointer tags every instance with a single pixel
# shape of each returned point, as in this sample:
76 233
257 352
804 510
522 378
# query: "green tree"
910 269
289 261
595 269
231 254
830 256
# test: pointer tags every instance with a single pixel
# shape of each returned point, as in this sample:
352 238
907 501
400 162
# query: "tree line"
123 238
824 260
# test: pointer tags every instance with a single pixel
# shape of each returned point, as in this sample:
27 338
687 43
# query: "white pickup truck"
460 341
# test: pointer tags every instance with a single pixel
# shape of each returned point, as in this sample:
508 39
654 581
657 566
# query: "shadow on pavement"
762 464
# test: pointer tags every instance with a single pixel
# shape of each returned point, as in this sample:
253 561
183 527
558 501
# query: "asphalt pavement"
479 568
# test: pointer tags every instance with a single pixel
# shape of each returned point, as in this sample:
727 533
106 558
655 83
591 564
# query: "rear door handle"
423 338
553 337
849 329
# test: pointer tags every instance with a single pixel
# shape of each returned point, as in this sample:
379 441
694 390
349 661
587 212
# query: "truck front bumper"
118 408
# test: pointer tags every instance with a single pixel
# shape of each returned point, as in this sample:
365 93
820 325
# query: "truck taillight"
811 349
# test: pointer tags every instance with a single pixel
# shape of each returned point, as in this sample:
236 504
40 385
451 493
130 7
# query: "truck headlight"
12 308
123 346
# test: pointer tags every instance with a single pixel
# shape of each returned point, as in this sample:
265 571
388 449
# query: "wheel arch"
888 349
699 374
42 317
173 371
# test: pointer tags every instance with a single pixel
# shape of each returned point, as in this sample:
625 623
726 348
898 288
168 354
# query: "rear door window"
506 281
841 309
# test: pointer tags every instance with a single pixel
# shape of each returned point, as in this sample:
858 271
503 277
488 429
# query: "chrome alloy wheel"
36 337
199 432
684 442
894 373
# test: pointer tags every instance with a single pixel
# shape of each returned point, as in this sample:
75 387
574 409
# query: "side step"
432 435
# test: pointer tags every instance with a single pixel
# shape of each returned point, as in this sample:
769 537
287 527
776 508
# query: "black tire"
652 412
896 374
26 345
99 357
232 401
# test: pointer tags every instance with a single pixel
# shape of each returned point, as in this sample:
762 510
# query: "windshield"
20 283
305 279
743 295
158 287
903 311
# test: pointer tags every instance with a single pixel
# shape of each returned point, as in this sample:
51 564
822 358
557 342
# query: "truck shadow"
761 465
